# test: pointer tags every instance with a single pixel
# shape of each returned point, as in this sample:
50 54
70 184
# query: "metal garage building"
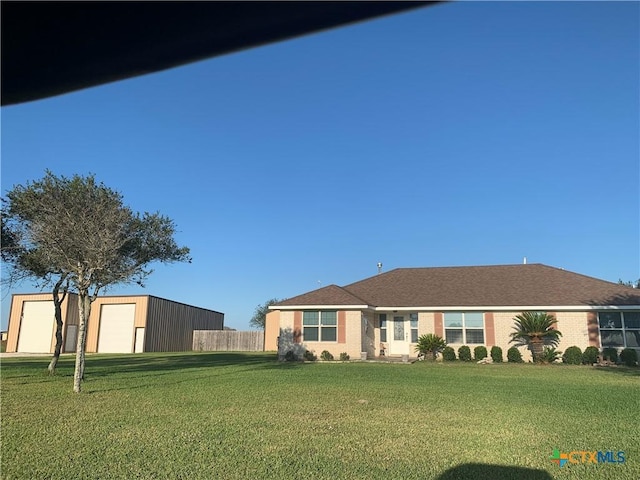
119 324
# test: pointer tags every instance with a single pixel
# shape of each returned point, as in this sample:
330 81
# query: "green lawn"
235 415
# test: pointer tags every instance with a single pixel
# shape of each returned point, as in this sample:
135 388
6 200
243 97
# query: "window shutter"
297 327
438 328
489 327
342 327
592 329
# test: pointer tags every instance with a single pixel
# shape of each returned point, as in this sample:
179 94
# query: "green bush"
448 354
464 353
610 354
344 356
590 355
326 356
309 356
496 354
629 357
572 356
479 353
289 356
514 355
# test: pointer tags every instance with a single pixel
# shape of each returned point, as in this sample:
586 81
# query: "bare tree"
83 230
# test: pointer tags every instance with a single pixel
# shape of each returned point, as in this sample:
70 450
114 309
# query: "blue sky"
462 134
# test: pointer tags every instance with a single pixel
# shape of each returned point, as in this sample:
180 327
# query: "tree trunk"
57 302
537 348
84 307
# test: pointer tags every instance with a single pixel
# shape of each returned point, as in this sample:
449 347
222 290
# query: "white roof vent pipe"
379 268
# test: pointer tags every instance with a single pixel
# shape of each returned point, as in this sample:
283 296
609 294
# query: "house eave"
458 308
321 307
509 308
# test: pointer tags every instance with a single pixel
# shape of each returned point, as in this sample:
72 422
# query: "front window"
413 320
320 326
383 327
619 329
464 327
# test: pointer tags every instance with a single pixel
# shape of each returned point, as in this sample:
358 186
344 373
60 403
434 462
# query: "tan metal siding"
15 315
170 325
93 327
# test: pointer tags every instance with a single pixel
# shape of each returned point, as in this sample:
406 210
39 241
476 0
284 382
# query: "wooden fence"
227 341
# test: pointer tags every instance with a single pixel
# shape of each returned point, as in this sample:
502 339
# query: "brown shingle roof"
329 295
499 285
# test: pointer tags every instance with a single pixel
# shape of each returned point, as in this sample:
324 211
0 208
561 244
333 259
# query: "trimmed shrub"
448 354
610 354
514 355
344 356
590 355
326 356
629 357
289 356
572 356
464 353
309 356
479 353
496 354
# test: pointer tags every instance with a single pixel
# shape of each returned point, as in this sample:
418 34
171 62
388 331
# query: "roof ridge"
381 274
585 276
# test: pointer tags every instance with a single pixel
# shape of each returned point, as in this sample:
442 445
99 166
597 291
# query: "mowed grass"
245 415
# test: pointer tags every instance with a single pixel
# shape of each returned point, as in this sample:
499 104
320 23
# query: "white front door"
399 336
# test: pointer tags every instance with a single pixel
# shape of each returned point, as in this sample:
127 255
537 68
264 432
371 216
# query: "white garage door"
36 327
116 328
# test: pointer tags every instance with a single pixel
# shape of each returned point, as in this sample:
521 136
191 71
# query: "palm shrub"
629 357
496 354
549 355
572 356
448 354
535 330
514 355
309 356
464 353
479 352
610 354
430 345
590 355
344 357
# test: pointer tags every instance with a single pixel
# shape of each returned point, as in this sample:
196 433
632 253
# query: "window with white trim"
320 326
383 327
619 329
413 321
464 327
